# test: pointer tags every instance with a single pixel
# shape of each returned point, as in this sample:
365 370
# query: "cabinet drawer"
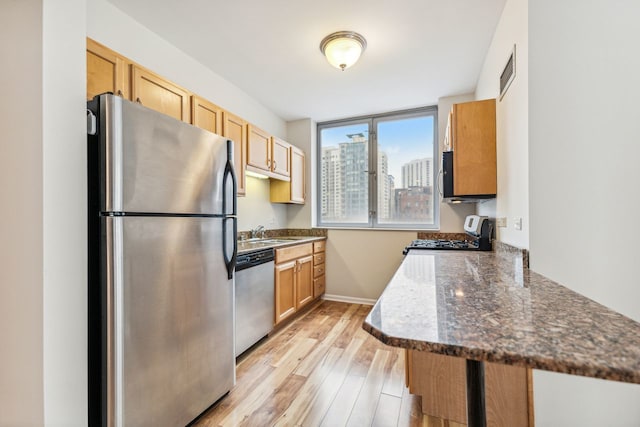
318 270
318 259
318 286
293 252
319 246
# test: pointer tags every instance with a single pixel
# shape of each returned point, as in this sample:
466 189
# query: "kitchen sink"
256 243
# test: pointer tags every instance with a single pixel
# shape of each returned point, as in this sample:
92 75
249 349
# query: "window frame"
371 121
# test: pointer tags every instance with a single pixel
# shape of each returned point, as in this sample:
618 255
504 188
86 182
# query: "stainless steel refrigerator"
162 250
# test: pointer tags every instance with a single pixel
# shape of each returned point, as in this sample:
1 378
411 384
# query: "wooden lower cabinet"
319 280
304 281
293 279
299 277
285 285
441 382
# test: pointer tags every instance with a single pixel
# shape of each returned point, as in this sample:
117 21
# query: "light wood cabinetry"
106 71
206 115
267 155
471 134
258 149
292 191
441 382
159 94
295 278
285 290
319 280
234 128
280 157
254 149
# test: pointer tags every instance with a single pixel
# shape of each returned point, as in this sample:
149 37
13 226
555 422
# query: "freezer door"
169 319
153 163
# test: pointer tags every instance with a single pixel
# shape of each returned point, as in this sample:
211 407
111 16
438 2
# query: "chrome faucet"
257 232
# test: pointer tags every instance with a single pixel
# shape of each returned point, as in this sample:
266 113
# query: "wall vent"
508 73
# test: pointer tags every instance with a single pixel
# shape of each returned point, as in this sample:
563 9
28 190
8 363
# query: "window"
378 171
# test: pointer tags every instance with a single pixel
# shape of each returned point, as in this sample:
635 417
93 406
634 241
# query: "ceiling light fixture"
343 48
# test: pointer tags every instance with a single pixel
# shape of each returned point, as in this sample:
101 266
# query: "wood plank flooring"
321 370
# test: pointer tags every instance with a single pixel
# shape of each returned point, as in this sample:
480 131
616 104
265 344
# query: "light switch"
517 223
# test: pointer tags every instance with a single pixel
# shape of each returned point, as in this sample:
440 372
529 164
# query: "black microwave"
448 178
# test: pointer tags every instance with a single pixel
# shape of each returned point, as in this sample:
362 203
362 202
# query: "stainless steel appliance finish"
255 298
162 250
479 228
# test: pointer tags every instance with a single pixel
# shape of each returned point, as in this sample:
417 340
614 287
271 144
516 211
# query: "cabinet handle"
138 101
119 93
275 165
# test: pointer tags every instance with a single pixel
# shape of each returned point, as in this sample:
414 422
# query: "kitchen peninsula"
489 307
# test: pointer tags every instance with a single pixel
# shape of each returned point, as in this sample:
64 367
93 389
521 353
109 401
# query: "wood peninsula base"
440 381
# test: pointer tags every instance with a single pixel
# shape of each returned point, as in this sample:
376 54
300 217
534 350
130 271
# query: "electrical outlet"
501 222
517 223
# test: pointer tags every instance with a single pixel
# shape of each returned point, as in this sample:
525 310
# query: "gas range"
478 228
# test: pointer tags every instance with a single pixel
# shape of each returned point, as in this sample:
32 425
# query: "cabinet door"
258 152
234 128
106 71
285 278
304 281
474 148
206 115
297 175
280 157
159 94
292 191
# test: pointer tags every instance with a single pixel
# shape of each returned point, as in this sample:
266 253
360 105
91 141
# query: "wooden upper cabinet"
258 149
473 141
159 94
280 157
206 115
106 71
234 128
292 191
298 180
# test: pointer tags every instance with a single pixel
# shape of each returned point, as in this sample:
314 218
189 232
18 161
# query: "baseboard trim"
352 300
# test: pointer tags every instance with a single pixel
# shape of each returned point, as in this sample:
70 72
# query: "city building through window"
379 171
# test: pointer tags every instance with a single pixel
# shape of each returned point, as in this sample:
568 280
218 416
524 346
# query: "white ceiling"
418 50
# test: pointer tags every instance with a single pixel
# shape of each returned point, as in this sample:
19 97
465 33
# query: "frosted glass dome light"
343 48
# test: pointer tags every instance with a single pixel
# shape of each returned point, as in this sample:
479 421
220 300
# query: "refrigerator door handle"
230 261
229 173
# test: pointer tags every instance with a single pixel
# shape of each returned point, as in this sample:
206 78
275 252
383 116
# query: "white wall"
21 192
110 26
256 209
512 144
64 213
302 134
583 164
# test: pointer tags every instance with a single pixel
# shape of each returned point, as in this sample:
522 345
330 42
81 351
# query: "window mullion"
373 170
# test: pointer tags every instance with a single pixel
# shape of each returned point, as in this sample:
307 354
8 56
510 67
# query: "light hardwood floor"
321 370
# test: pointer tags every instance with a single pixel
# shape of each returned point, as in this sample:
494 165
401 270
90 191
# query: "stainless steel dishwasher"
255 304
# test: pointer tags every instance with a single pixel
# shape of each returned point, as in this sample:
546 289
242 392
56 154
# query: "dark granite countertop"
491 307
